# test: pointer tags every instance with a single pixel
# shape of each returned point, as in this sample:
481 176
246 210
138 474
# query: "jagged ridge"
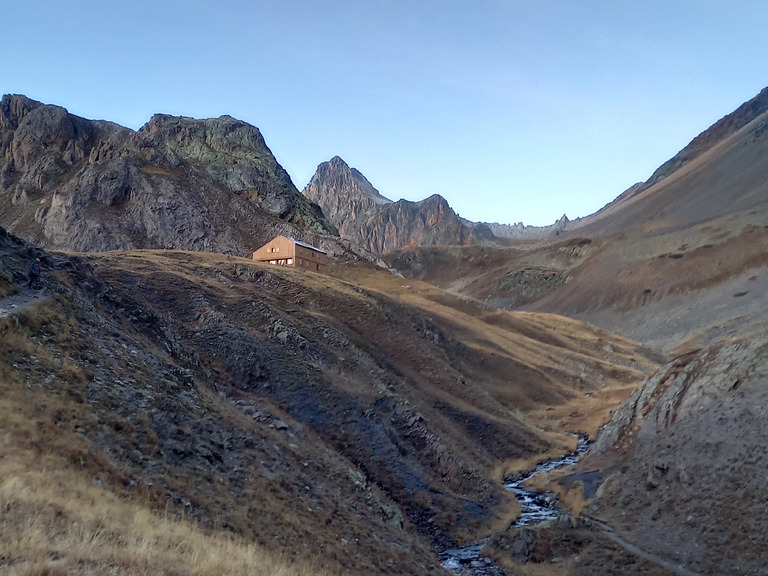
85 185
374 222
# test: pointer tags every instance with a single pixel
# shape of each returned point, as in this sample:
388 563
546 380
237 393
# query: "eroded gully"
535 508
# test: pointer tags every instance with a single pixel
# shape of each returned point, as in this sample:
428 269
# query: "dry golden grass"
540 569
526 362
55 517
57 520
7 289
561 357
584 414
44 382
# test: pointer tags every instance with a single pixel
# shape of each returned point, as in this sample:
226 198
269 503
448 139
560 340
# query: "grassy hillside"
59 519
348 419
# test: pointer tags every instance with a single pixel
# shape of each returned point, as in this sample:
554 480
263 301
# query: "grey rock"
370 220
176 183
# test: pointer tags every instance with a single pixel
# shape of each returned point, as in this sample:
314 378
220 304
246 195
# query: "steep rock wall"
77 184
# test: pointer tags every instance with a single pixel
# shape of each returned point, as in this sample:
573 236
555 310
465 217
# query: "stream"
536 508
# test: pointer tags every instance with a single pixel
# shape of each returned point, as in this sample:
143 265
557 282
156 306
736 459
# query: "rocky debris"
15 259
690 490
517 544
368 219
208 185
523 286
575 546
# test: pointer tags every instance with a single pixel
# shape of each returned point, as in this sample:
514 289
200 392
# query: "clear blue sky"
512 110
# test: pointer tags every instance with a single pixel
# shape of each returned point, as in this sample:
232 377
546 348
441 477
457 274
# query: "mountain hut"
285 251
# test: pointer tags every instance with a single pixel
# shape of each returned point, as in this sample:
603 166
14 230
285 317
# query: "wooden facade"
285 251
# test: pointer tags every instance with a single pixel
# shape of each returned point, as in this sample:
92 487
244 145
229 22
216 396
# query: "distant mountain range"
210 185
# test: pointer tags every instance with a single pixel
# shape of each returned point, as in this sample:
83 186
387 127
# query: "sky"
514 111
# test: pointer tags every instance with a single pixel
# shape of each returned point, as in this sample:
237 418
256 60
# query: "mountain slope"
675 259
77 184
682 461
350 418
681 264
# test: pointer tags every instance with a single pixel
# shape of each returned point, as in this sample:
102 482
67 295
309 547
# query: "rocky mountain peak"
178 182
368 219
234 152
13 108
342 192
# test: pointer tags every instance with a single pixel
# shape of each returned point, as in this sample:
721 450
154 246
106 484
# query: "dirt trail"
23 298
629 547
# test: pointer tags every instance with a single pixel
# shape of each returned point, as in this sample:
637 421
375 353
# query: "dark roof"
305 245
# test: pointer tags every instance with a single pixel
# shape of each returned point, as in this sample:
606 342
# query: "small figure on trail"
34 273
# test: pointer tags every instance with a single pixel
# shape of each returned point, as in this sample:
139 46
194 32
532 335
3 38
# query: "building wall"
285 252
310 259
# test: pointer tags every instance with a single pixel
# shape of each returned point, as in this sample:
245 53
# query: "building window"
290 260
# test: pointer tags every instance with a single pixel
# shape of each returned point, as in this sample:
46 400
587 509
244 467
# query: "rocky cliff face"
84 185
343 192
370 220
692 488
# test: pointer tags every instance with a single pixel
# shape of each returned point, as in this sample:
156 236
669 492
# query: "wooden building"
285 251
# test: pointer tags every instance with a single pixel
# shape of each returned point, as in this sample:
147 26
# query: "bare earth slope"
692 445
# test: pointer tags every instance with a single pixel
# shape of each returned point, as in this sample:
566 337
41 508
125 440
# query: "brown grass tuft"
51 511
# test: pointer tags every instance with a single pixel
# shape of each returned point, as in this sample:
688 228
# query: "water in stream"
536 507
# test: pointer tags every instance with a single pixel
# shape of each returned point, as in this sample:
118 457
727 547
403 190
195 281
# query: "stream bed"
536 508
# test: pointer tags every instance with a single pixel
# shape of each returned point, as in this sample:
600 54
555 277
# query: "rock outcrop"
77 184
692 488
370 220
520 230
343 192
